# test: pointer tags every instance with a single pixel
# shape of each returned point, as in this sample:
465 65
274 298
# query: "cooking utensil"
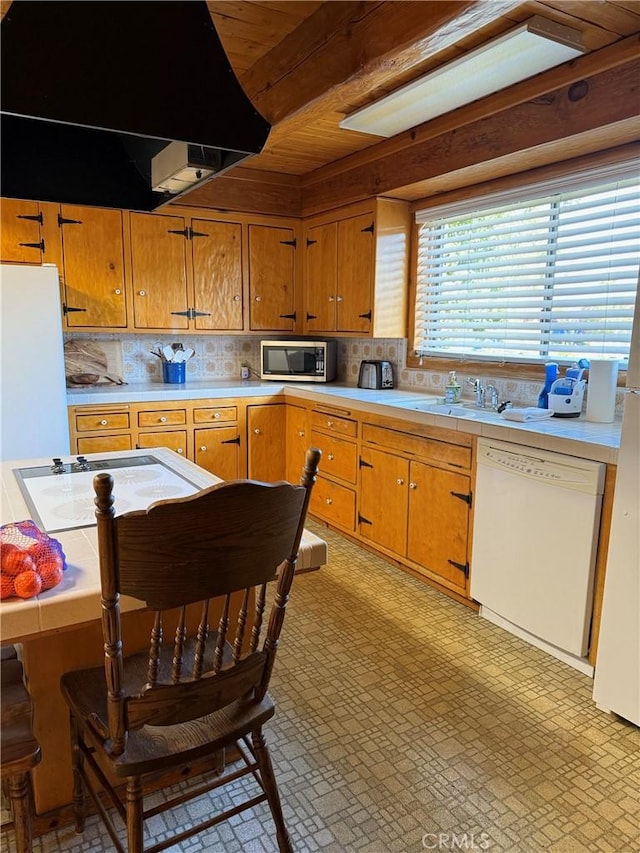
188 353
167 352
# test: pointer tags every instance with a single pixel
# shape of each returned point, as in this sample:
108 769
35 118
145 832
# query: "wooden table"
60 629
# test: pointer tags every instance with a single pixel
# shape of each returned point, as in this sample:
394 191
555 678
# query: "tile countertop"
574 436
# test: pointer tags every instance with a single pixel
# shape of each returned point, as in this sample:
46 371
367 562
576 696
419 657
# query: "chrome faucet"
479 390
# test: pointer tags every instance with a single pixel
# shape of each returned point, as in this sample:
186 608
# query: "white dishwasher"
535 531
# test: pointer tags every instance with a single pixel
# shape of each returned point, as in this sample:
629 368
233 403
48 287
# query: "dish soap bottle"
452 389
550 376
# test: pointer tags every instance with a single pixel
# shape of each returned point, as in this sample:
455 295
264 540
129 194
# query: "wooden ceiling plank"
587 108
309 70
623 22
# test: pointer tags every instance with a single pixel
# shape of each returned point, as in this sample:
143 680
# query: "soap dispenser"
550 376
452 389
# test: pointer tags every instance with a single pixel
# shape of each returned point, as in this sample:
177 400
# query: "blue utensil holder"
174 373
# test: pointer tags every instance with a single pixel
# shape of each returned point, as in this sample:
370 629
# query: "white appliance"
617 679
33 398
534 545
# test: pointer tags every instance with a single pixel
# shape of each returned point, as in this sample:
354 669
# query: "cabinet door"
20 232
218 450
384 499
271 278
356 250
439 521
158 270
266 442
298 441
93 253
216 249
320 272
173 440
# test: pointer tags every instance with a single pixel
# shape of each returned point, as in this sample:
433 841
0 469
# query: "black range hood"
92 92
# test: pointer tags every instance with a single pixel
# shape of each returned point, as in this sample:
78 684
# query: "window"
550 275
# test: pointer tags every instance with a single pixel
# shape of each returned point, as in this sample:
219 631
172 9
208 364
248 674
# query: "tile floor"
407 723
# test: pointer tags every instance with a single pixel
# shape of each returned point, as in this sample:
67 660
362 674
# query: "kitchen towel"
527 413
601 390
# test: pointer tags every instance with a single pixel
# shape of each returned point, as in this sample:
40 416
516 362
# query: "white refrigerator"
617 676
33 394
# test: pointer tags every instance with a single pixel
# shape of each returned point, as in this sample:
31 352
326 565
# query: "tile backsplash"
219 357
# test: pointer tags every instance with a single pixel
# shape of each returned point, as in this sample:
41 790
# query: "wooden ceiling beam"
346 49
591 114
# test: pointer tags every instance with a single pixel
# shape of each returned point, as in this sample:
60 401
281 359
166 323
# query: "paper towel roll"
601 390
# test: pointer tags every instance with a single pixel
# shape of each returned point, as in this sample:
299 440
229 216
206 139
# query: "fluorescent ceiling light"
530 48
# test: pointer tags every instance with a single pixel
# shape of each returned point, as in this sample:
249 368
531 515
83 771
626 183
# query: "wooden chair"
201 690
19 750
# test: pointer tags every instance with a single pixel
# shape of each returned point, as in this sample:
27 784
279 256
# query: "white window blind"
554 276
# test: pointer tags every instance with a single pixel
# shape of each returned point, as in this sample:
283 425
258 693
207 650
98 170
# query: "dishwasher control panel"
567 471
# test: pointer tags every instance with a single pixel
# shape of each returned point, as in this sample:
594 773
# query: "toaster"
375 374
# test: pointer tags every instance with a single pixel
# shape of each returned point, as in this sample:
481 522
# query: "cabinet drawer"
426 448
327 422
102 421
168 417
215 415
334 503
104 443
339 458
173 440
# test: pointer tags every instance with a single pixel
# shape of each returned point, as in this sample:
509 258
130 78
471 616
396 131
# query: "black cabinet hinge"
363 520
191 313
464 567
366 316
191 234
364 464
463 497
311 242
62 221
39 245
66 309
293 243
289 316
235 440
369 229
312 316
37 217
183 233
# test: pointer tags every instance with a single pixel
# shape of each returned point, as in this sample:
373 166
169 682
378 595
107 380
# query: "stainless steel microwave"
298 361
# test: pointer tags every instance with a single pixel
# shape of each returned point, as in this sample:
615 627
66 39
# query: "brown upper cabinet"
93 267
355 270
212 274
159 271
22 241
272 256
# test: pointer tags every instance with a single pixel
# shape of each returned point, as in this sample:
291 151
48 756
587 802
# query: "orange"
16 561
51 572
28 584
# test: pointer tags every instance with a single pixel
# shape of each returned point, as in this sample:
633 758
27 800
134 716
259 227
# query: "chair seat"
155 747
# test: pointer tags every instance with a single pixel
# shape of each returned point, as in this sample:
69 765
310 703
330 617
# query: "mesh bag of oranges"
30 560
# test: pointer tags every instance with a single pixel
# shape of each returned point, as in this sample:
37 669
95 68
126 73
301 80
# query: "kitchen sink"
454 410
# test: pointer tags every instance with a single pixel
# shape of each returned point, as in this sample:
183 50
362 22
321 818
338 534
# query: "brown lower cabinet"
266 431
418 510
407 495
